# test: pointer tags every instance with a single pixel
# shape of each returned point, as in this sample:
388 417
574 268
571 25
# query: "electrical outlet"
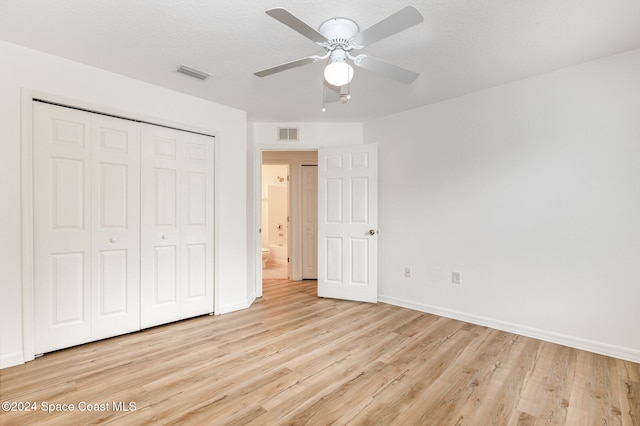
407 272
455 277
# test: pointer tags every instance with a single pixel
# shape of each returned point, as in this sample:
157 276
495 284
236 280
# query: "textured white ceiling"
463 46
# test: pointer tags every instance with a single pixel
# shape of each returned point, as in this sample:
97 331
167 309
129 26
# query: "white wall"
532 191
24 68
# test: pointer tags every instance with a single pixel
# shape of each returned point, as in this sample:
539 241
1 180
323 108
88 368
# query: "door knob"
112 240
164 237
372 232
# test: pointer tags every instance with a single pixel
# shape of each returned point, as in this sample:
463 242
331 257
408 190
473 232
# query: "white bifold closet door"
177 225
86 226
123 226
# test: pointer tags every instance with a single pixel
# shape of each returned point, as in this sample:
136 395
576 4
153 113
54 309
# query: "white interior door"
347 222
62 227
160 232
309 222
177 225
196 213
115 228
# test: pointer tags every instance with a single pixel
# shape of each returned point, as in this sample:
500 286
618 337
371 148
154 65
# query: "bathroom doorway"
300 242
275 221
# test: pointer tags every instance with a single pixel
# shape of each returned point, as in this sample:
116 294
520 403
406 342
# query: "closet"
123 225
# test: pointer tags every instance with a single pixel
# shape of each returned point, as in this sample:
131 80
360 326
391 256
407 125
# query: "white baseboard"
620 352
9 360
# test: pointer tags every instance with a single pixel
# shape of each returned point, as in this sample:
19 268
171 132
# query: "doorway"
300 244
346 223
275 221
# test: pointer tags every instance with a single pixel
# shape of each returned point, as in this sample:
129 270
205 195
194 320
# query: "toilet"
265 257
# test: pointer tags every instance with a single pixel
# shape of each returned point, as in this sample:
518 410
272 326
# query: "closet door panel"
196 280
113 283
165 183
177 225
197 225
62 234
68 193
67 290
160 232
115 227
196 183
165 266
113 202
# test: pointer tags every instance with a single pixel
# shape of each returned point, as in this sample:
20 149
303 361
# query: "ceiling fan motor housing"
339 32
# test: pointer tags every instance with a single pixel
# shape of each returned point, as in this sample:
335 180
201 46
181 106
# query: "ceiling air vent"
287 134
192 72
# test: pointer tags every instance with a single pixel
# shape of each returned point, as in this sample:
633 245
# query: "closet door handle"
164 237
113 239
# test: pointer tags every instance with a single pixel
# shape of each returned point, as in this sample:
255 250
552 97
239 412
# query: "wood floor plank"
498 387
293 358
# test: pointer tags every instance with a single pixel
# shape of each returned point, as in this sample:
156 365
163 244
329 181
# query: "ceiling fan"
339 37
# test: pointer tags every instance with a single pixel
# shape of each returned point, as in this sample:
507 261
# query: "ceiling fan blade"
386 69
296 24
399 21
283 67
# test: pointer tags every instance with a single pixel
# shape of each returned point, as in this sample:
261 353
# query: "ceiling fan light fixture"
338 73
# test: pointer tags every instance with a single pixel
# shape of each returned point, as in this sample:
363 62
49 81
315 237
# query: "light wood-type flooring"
294 358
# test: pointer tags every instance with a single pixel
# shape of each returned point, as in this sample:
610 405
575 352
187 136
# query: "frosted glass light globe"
338 73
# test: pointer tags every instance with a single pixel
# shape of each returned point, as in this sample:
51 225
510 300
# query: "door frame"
295 272
27 97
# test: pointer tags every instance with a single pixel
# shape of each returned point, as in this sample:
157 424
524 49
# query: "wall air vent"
192 72
287 134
